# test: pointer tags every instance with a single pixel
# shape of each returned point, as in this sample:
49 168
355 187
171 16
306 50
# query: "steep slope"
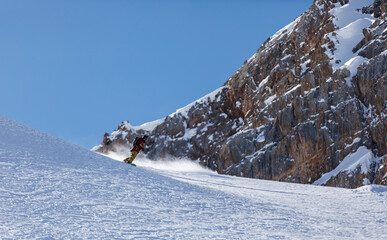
51 189
313 94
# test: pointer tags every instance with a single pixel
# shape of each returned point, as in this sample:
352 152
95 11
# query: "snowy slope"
51 189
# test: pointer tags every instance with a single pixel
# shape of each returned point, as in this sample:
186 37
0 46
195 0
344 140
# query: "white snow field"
51 189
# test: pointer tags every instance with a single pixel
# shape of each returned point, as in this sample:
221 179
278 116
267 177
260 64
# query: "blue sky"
76 69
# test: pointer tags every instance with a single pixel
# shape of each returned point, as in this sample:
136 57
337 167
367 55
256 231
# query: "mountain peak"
313 94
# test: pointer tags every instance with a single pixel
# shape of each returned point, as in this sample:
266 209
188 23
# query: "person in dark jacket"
138 145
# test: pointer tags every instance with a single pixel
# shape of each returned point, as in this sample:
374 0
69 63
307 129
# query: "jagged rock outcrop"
312 95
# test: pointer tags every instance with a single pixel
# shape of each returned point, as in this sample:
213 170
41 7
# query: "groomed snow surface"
51 189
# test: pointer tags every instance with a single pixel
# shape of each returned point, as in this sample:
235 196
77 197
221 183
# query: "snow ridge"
150 126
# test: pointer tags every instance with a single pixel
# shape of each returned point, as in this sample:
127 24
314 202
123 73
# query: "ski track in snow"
51 189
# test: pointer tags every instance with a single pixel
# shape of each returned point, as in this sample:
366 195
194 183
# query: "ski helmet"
145 136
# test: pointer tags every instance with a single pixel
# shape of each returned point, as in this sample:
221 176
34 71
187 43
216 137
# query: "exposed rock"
381 172
287 114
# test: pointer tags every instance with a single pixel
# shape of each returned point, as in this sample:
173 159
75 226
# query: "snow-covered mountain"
51 189
309 107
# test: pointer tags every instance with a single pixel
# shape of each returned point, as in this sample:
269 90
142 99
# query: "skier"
138 145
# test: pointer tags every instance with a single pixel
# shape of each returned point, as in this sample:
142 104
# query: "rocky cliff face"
309 107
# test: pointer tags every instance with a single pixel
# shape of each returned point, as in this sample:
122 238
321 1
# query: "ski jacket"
140 144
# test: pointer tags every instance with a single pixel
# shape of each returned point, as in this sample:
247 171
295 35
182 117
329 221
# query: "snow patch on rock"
363 157
349 21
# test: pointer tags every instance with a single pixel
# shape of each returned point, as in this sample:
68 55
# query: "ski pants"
130 159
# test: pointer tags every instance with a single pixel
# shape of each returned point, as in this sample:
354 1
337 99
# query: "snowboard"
129 162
